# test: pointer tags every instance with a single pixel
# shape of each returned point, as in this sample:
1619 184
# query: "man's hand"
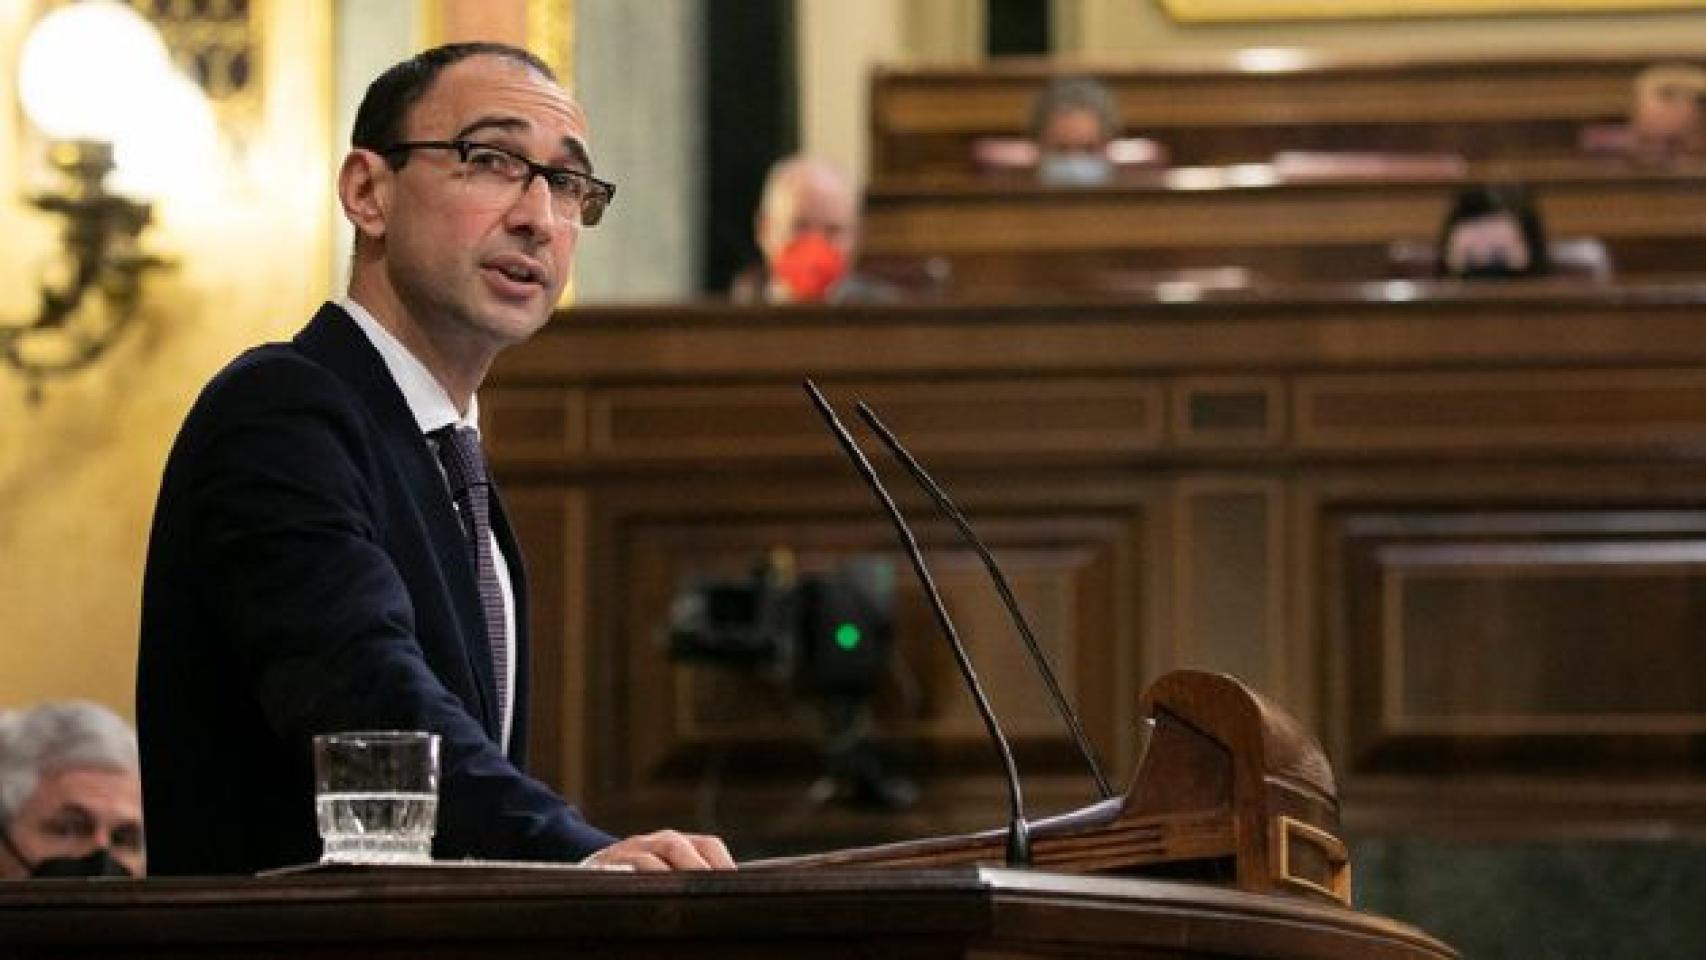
666 850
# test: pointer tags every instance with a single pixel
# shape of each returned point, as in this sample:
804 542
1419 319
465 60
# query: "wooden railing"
1004 239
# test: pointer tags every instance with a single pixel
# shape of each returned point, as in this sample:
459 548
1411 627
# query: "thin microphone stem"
1018 831
952 512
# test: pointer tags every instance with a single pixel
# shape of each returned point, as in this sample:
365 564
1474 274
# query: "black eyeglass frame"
552 175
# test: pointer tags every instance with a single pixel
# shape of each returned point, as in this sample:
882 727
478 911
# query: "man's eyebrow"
506 124
72 808
577 150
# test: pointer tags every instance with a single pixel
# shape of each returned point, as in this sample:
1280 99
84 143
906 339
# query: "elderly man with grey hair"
807 228
70 793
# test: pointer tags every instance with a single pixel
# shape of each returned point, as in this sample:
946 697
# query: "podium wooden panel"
1230 790
1315 489
906 915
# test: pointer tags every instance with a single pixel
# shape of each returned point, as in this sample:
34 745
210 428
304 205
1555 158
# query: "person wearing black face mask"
95 864
1493 233
70 794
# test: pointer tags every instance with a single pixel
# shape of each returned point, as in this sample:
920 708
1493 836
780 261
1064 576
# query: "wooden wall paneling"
1492 632
1172 212
1015 238
1228 411
685 728
1035 418
551 525
1281 328
997 99
997 220
1230 572
1411 458
1314 681
1179 272
1495 625
537 423
1592 622
1531 410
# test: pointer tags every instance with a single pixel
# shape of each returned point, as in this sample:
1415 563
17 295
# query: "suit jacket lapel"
333 339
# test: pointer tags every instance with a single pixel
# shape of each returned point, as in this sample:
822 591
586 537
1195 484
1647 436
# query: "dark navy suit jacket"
307 574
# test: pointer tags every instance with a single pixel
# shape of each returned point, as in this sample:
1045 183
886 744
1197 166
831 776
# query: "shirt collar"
426 397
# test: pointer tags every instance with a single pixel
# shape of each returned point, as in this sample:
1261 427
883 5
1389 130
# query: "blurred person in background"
70 793
1074 121
1493 232
807 227
1667 118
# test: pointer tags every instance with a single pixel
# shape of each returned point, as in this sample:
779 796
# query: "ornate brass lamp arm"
99 243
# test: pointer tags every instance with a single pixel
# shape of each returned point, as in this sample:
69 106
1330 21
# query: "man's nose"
534 211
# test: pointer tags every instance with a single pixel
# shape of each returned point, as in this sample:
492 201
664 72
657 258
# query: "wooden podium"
913 914
1229 790
1233 804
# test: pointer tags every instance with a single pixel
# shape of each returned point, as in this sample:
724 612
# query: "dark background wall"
750 112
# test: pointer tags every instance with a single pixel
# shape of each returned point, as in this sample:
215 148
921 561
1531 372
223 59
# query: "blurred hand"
666 850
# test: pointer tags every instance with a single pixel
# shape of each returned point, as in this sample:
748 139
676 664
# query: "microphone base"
1019 843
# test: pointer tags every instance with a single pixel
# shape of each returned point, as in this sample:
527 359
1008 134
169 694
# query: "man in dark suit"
311 568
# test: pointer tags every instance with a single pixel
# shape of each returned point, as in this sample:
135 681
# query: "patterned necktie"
470 490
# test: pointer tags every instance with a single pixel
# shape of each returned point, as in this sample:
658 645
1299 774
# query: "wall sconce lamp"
95 80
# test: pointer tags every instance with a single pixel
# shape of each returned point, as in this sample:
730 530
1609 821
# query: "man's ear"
364 189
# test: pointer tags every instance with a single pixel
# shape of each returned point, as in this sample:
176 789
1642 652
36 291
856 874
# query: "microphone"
1018 831
1067 715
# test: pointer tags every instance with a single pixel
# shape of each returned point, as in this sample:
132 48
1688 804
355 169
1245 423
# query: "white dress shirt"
434 410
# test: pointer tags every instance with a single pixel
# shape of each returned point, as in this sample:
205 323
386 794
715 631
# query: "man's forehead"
88 781
490 87
1492 224
825 197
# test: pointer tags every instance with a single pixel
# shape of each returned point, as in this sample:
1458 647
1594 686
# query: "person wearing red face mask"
807 226
70 794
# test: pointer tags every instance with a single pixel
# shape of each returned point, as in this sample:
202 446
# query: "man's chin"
511 323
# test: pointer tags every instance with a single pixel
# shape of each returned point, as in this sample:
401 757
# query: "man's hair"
53 736
1075 93
1685 75
379 119
784 172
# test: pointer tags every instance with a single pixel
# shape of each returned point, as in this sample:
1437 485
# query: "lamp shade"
87 68
170 148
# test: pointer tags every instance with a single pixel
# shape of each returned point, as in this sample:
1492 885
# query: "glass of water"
377 796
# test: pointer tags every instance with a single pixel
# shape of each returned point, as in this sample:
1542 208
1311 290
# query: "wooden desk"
1021 237
1232 108
1457 531
825 913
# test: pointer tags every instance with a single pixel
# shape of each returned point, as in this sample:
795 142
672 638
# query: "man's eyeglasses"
502 176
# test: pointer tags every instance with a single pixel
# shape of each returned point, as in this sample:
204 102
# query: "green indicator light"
848 637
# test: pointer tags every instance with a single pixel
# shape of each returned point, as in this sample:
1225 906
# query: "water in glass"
377 827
